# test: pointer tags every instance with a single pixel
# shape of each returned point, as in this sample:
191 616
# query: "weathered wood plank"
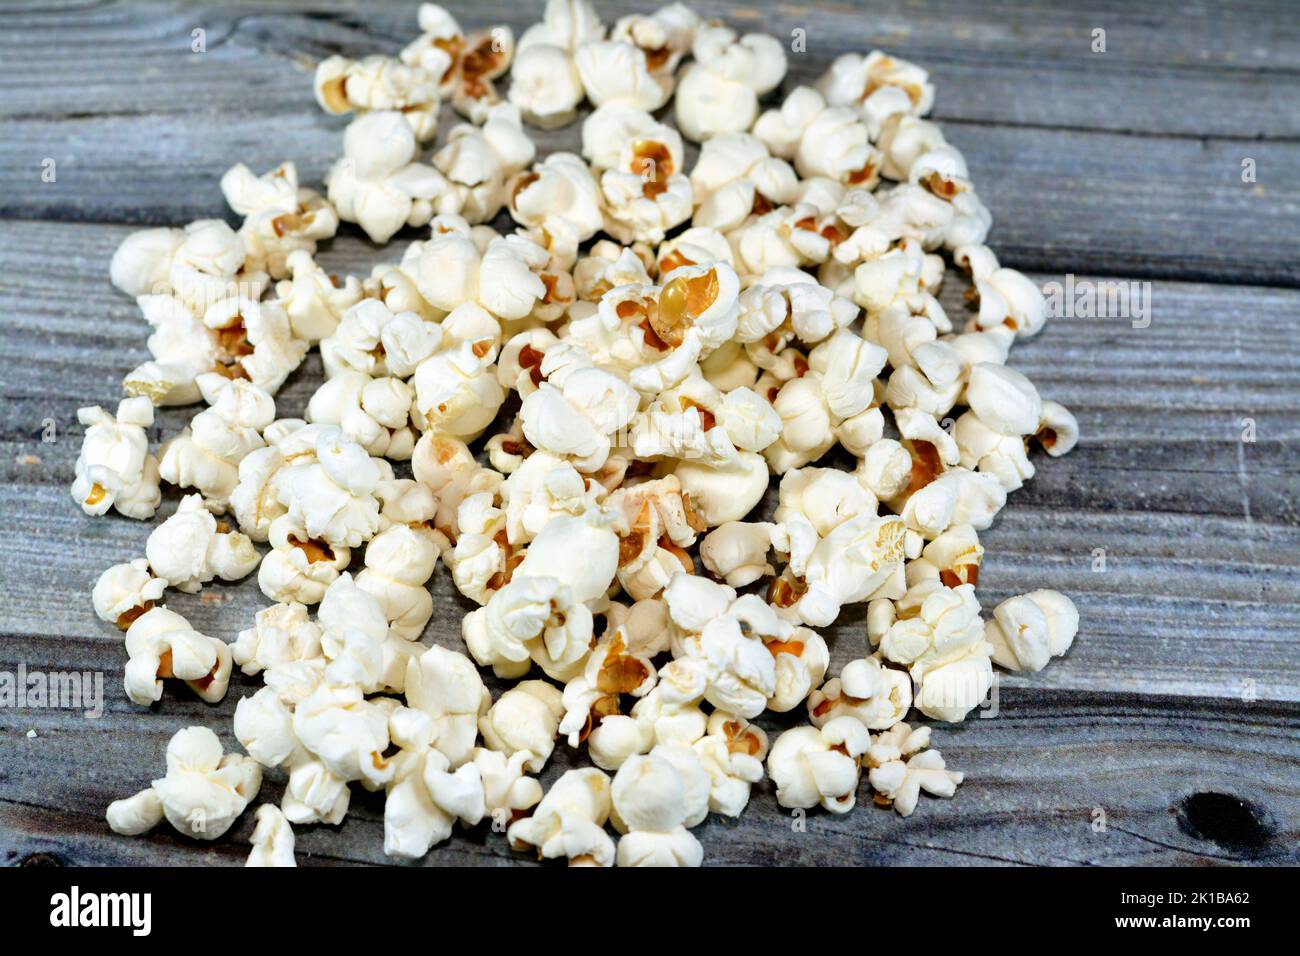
1209 71
1037 776
1060 193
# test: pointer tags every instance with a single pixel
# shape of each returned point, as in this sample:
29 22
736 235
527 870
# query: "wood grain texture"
1186 675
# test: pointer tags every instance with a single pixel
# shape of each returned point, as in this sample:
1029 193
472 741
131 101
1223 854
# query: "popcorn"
201 795
813 766
732 754
280 218
378 184
257 337
373 412
644 191
719 92
272 839
545 85
114 468
378 84
899 783
592 699
312 299
665 36
508 792
191 548
142 263
425 797
617 72
282 634
526 717
333 497
399 562
476 163
126 591
569 821
1029 630
876 696
161 644
942 644
445 685
207 455
660 383
650 806
299 567
529 619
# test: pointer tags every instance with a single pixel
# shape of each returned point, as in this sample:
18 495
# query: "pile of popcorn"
656 344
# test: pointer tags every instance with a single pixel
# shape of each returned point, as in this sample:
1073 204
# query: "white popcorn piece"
445 685
114 468
346 733
380 84
724 493
182 347
206 456
201 795
191 548
813 766
879 86
399 562
161 644
876 696
508 792
530 619
1006 297
272 839
645 192
1028 630
373 412
658 524
577 409
558 196
333 497
650 804
126 591
737 552
208 266
665 36
1004 400
545 85
355 640
569 821
732 754
526 717
142 264
592 698
281 634
1058 429
299 567
476 163
941 642
377 183
671 712
257 337
846 567
616 72
719 92
456 392
313 300
280 217
425 797
899 783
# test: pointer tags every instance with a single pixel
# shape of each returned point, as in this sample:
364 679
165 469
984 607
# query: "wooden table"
1125 164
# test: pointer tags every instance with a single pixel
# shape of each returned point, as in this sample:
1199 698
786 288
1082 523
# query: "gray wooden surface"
1185 679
